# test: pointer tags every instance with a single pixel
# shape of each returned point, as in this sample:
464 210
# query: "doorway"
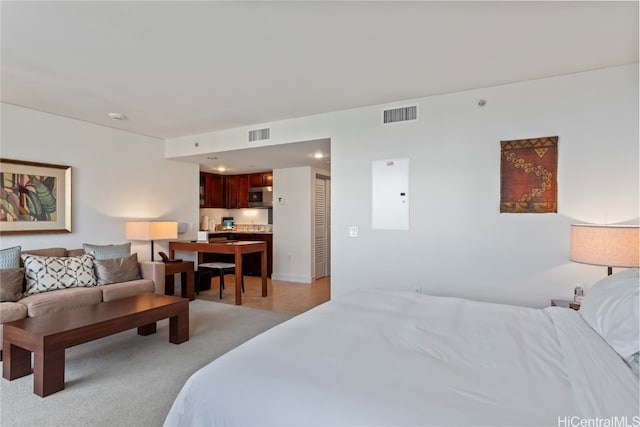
322 226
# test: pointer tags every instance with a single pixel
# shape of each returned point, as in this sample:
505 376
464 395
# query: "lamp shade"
607 245
152 230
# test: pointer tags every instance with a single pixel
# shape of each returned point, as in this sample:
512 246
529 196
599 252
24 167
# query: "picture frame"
36 197
528 175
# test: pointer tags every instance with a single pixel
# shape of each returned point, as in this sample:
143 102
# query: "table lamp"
152 230
607 245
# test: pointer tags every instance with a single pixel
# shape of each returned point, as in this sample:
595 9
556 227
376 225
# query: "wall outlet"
353 231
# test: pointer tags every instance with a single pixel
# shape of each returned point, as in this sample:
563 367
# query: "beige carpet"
131 380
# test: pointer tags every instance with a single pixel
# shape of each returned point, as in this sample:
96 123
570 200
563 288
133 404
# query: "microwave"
260 197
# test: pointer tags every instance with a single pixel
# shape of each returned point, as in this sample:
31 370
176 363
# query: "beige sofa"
153 281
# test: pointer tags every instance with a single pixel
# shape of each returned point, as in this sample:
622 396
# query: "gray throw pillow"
117 270
10 257
107 251
11 280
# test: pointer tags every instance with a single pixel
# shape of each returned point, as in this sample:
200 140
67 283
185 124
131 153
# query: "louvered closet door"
322 226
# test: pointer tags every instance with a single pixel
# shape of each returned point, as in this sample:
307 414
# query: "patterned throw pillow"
117 270
107 251
50 273
10 257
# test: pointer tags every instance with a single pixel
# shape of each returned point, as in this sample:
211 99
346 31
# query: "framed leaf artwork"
36 197
528 175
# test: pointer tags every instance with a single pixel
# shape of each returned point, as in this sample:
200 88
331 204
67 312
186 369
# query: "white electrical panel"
390 194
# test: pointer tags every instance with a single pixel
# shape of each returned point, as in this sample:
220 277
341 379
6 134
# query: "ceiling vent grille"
259 134
401 114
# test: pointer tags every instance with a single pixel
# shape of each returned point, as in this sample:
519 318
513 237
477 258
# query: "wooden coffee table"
48 336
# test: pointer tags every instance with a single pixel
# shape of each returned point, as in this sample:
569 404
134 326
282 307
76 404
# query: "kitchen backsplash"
240 216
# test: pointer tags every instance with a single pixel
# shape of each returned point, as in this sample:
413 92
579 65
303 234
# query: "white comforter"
377 357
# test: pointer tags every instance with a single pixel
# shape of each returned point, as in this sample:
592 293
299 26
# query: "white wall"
459 244
116 176
292 224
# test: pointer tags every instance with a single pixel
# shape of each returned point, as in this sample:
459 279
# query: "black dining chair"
206 270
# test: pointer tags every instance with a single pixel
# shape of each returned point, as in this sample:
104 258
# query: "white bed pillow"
611 309
634 363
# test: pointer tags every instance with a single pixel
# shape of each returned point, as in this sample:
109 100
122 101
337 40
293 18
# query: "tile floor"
283 297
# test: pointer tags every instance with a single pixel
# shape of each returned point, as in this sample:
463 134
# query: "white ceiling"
260 159
176 68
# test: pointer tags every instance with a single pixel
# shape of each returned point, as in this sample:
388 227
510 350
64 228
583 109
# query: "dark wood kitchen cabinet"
230 191
237 191
264 179
212 190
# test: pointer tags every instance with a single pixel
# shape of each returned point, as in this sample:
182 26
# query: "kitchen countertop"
239 232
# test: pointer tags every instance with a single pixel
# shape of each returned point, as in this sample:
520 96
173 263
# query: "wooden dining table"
237 248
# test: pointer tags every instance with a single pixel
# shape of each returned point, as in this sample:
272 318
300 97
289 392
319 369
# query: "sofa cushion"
10 311
117 270
108 251
52 273
52 302
11 281
75 252
43 252
10 257
47 252
126 289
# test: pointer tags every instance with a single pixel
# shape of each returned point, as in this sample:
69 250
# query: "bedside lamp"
152 230
607 245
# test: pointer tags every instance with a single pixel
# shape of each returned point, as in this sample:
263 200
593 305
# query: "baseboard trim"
292 278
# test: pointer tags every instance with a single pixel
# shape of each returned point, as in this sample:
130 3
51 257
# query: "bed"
390 358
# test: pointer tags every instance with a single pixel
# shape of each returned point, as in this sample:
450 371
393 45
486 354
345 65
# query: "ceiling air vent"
401 114
259 134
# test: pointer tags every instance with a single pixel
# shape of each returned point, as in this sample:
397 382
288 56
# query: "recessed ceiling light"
222 169
116 116
212 158
318 155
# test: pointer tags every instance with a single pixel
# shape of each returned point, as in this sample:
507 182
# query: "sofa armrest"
154 271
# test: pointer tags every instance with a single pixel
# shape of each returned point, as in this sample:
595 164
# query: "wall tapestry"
36 197
528 175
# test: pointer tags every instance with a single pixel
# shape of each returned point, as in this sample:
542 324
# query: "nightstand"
565 303
186 271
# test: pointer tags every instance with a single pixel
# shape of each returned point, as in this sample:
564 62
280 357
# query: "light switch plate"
353 231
